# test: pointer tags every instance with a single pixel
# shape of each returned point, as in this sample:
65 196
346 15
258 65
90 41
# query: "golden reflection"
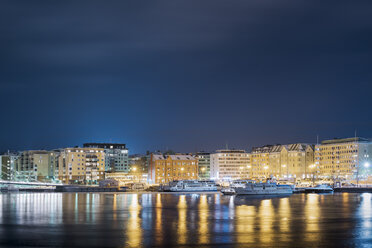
114 207
203 221
285 215
245 218
182 227
134 230
158 227
312 212
266 214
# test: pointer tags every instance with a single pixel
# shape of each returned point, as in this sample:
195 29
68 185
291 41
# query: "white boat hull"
201 189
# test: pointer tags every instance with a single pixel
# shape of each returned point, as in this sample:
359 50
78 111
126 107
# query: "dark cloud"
183 74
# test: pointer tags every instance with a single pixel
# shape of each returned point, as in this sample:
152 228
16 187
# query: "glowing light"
366 165
284 165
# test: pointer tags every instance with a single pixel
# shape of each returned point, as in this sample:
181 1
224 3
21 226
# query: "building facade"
8 166
204 164
348 158
81 165
116 156
293 161
229 165
167 168
35 165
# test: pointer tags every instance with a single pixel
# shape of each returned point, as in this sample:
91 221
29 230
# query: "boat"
228 191
191 186
234 184
322 188
264 189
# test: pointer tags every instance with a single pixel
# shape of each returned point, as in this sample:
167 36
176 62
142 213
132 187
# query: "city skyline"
246 74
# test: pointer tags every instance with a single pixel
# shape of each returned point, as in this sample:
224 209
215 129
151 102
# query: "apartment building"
282 161
81 165
166 168
116 156
35 165
204 164
8 166
229 165
348 158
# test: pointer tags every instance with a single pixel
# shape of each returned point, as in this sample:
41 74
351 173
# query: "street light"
366 165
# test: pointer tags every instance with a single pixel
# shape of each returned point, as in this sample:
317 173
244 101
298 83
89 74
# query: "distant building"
349 158
35 165
81 165
166 168
116 156
139 163
230 165
282 161
204 164
127 178
8 166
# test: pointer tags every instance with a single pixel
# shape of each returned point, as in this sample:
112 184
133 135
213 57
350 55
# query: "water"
210 220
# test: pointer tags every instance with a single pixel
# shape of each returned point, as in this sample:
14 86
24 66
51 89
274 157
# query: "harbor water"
184 220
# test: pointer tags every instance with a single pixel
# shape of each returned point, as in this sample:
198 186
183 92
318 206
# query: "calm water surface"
210 220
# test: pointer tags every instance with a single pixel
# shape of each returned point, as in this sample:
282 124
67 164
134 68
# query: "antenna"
317 139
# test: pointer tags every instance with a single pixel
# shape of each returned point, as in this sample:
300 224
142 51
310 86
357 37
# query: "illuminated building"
35 165
116 156
166 168
81 165
230 165
348 158
282 161
8 166
204 164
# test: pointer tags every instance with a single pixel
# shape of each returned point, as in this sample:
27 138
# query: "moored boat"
323 188
264 189
228 191
191 186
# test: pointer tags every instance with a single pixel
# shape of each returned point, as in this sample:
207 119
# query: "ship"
191 186
234 184
323 188
264 189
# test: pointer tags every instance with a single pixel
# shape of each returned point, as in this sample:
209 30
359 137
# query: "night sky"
183 75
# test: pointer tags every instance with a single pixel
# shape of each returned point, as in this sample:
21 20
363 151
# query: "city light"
366 164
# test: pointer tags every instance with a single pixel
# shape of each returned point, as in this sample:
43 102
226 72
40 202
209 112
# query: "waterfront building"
291 161
116 156
81 165
139 163
8 166
264 161
167 168
34 165
229 165
348 158
204 164
127 178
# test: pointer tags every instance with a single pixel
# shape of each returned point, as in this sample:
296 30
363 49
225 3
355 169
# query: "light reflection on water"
156 219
